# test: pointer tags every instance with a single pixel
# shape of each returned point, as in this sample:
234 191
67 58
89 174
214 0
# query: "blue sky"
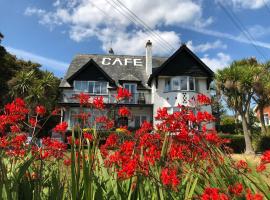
52 32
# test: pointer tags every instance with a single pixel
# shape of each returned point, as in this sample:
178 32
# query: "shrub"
237 142
263 144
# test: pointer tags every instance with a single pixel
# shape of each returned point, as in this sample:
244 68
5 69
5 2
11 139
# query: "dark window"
122 121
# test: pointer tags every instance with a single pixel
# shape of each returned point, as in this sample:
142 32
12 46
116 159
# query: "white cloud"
206 46
109 21
47 63
246 4
220 61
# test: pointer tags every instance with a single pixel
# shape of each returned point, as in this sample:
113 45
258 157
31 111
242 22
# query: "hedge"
237 143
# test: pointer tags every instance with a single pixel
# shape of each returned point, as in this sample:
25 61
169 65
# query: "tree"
262 92
236 84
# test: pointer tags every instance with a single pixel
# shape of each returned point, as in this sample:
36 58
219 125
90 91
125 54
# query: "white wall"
172 99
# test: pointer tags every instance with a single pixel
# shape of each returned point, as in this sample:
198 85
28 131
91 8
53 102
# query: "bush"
237 143
263 144
228 125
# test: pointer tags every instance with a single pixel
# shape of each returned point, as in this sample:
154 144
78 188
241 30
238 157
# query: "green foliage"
237 142
262 143
25 79
228 125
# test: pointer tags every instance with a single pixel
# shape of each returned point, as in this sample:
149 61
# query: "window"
139 120
132 88
183 83
266 118
191 83
92 87
81 86
168 85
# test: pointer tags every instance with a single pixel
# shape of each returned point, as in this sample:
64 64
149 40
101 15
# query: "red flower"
123 111
250 196
98 103
15 129
83 99
67 162
203 99
213 194
169 177
40 110
61 127
261 168
33 122
236 189
122 93
266 157
88 136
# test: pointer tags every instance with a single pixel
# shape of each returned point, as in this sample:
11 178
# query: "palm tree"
235 83
262 92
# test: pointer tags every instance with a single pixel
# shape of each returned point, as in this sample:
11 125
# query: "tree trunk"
249 149
263 127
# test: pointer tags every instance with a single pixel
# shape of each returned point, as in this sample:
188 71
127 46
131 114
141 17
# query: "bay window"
181 83
92 87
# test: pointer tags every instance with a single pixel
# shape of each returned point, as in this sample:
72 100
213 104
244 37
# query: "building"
153 81
266 115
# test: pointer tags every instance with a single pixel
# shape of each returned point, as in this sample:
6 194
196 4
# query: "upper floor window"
266 118
92 87
182 83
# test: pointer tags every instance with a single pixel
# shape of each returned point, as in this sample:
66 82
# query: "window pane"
183 82
168 85
84 86
143 119
176 85
77 85
137 121
91 87
104 87
191 83
97 88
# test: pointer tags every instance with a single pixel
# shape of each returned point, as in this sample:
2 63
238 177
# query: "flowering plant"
180 157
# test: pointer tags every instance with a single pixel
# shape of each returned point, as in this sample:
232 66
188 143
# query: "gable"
183 62
90 72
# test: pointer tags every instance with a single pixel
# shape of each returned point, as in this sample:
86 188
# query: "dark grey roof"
116 72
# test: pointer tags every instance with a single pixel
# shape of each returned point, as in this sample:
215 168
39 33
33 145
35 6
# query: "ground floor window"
122 121
139 120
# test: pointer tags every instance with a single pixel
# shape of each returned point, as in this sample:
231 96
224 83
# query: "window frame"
94 87
177 79
140 120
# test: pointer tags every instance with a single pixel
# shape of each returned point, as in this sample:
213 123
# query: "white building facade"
154 82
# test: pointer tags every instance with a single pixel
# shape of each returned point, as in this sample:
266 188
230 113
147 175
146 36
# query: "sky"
52 32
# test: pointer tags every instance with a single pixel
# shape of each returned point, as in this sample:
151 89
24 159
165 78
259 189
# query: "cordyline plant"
179 158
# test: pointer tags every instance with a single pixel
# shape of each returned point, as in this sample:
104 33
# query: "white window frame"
178 79
88 85
129 84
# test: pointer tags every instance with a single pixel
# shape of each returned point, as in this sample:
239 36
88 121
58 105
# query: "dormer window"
180 83
92 87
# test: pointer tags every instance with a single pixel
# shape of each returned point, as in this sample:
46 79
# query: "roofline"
91 61
183 47
115 55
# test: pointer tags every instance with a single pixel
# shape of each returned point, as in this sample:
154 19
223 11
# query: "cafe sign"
123 62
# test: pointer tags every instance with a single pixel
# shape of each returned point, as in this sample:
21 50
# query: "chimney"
148 58
111 52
